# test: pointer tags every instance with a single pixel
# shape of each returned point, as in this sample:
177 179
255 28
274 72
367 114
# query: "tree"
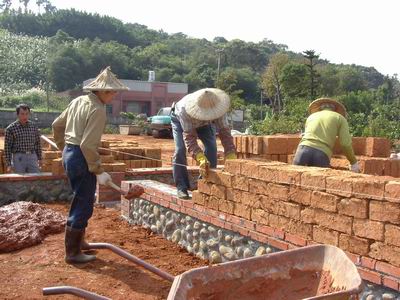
294 78
5 5
271 79
312 57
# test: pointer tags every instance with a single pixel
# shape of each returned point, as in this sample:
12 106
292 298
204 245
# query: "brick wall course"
353 207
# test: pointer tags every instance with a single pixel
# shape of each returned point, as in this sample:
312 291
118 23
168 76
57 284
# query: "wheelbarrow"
313 272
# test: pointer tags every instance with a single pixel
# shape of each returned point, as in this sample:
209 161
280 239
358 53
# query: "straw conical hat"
316 106
207 104
105 81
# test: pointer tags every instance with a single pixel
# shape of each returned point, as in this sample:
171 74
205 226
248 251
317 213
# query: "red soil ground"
24 273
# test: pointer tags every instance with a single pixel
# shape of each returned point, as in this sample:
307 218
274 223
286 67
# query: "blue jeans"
207 136
308 156
25 163
83 185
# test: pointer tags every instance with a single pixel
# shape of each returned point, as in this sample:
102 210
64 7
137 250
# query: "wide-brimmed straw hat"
207 104
316 106
105 81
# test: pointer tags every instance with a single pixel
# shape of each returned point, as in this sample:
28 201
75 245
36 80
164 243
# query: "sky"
363 32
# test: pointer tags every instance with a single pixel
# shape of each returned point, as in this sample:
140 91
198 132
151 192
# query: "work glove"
103 178
231 155
204 164
355 168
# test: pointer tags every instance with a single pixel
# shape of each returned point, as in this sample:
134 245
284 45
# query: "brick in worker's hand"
136 190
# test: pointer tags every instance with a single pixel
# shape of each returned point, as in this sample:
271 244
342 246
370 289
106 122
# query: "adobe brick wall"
286 216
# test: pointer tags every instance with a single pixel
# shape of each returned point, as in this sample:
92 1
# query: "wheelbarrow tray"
313 272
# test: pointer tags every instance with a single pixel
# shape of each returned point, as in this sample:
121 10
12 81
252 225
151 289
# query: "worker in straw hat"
198 115
327 121
77 132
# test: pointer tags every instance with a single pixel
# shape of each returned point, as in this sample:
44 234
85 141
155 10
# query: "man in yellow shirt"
327 121
77 132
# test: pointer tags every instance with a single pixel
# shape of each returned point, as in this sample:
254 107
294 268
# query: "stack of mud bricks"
105 193
296 206
372 153
131 155
275 148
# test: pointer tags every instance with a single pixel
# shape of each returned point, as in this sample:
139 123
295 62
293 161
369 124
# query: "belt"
25 152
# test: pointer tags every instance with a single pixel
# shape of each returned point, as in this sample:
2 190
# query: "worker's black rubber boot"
73 253
84 244
183 194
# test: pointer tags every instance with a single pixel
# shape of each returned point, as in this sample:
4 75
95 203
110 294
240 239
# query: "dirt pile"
23 224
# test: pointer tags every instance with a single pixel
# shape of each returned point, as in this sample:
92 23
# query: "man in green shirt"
327 121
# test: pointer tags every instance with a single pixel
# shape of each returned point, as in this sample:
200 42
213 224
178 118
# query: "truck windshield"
165 111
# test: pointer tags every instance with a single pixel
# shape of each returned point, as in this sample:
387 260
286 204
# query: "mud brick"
198 198
258 187
257 144
274 157
278 222
107 158
118 167
384 211
369 187
372 166
212 176
341 186
225 179
278 191
290 159
377 147
49 154
218 191
324 201
243 211
259 216
359 145
250 169
334 221
229 194
395 168
313 180
289 210
237 196
107 167
259 237
292 144
269 173
300 229
381 251
275 145
268 204
325 236
370 276
392 235
249 145
368 229
244 144
283 158
250 199
387 269
226 207
290 175
392 191
152 153
299 195
240 182
238 144
387 167
353 244
308 216
353 207
204 186
212 202
282 245
233 166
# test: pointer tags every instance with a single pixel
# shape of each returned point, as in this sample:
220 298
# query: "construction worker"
198 115
327 121
22 144
77 132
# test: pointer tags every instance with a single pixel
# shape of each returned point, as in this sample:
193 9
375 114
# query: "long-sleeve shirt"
82 123
321 131
189 126
22 138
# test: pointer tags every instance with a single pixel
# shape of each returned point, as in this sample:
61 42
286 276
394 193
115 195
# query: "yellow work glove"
203 163
231 155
